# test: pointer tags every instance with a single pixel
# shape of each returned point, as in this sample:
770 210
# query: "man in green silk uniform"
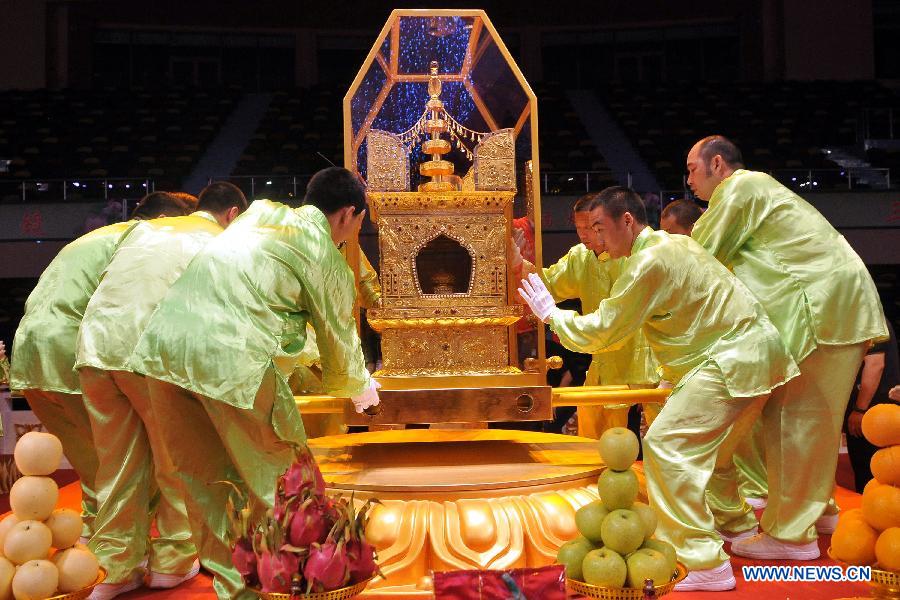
44 345
133 462
822 300
588 273
306 378
749 458
714 344
220 348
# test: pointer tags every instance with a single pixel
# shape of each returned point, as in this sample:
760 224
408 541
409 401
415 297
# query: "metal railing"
291 188
76 189
285 188
821 180
577 182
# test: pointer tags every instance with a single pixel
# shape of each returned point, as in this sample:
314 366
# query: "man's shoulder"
755 184
101 237
579 252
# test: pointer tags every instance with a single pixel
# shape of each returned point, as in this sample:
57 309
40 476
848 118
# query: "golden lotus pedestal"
461 498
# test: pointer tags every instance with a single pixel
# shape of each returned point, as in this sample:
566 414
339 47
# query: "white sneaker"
717 579
764 546
164 581
757 503
733 536
826 524
107 591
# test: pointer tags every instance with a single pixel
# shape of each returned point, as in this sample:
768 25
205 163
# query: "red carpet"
201 586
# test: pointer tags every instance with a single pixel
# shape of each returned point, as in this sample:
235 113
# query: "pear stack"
40 556
616 547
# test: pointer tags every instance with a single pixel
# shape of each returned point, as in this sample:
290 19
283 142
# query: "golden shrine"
442 126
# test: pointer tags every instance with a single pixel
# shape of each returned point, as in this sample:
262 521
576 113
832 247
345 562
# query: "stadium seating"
780 126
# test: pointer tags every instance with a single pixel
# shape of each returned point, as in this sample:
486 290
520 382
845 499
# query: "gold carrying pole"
590 395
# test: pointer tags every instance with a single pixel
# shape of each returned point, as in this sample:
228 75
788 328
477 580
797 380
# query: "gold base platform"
462 499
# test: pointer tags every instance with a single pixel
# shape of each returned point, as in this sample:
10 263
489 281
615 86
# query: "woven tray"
608 593
344 593
84 592
885 582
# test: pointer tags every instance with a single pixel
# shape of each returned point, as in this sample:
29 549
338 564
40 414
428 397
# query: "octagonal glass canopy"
483 91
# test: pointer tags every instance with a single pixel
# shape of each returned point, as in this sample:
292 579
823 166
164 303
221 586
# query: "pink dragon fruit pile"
309 542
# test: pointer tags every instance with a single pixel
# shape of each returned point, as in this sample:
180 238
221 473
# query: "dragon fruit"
311 522
276 569
327 567
244 559
303 475
361 555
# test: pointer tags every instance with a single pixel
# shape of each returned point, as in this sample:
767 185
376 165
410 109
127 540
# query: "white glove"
535 293
368 398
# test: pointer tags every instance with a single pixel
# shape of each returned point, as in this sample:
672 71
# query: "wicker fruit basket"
884 584
84 592
608 593
344 593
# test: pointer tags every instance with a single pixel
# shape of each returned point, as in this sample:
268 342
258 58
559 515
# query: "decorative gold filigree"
468 182
402 236
382 324
495 162
446 351
419 317
387 164
529 188
421 312
444 372
468 202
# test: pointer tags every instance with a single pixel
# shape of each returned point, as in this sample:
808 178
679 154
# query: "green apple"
617 489
648 564
666 548
648 517
604 567
589 519
619 448
622 531
571 555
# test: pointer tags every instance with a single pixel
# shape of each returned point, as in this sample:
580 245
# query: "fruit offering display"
309 543
871 535
616 547
40 556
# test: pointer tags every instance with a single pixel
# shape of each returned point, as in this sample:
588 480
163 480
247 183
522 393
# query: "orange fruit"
872 483
885 465
854 542
887 549
850 515
881 425
881 506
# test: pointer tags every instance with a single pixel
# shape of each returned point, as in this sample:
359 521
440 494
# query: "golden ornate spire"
437 169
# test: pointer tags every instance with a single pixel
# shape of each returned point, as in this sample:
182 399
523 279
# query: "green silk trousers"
697 430
211 441
133 467
750 460
802 428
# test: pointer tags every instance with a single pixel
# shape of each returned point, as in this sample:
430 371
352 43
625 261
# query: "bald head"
719 145
710 161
